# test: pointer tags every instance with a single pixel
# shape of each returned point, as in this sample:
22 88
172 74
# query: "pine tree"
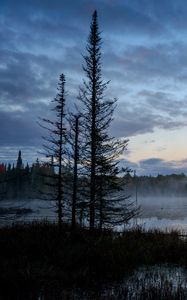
101 151
55 146
19 164
19 177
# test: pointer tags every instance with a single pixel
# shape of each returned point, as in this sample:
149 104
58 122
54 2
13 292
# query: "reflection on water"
158 282
164 213
164 207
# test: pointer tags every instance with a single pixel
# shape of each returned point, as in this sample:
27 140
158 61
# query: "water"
40 209
153 282
163 213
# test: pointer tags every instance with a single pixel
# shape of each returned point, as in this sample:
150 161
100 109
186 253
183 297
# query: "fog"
163 207
162 201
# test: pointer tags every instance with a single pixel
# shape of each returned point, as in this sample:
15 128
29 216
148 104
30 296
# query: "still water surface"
155 282
164 213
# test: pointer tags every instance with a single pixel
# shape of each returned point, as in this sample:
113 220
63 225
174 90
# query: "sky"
144 56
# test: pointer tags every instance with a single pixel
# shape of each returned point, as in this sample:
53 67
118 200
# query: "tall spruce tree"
19 176
19 164
101 151
54 147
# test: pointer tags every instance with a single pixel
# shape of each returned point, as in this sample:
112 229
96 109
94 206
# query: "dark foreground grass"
37 256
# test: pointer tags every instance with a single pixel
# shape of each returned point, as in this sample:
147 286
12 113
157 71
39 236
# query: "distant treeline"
161 185
21 182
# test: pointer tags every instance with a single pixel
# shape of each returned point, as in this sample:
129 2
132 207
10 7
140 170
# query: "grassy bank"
38 255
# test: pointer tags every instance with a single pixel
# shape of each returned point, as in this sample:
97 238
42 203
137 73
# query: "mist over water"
163 212
155 212
162 201
171 207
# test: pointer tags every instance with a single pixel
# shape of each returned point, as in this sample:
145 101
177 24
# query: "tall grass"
37 254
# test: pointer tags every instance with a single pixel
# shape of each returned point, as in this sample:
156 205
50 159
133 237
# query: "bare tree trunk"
60 192
75 177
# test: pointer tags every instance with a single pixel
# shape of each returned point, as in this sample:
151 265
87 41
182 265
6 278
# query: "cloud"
165 102
155 63
155 166
19 129
144 56
170 12
133 120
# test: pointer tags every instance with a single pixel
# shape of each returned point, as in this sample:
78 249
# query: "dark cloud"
130 120
155 166
170 12
19 129
78 12
165 102
163 62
